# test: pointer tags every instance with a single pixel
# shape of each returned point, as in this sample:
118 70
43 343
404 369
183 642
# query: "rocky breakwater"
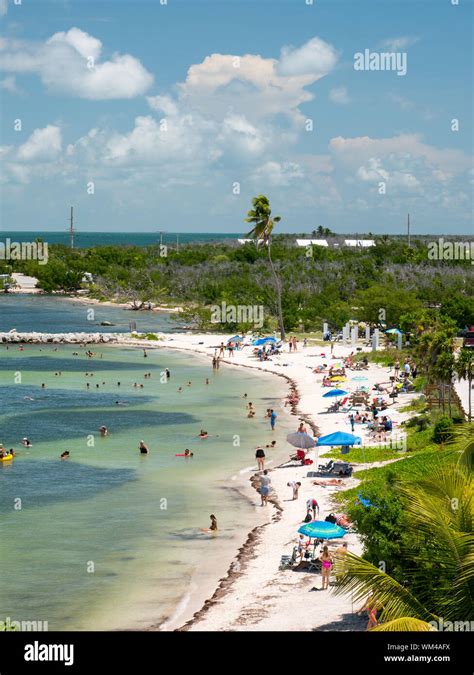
62 338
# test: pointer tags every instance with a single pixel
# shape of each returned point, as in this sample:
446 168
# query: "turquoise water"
48 314
111 539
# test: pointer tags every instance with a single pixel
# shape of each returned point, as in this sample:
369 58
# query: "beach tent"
335 392
321 529
299 439
339 438
264 341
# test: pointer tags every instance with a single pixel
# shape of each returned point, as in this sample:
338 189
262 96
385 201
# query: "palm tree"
262 232
464 368
438 502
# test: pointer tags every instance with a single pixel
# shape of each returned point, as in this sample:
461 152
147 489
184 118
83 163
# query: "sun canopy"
236 338
334 392
321 529
264 340
339 438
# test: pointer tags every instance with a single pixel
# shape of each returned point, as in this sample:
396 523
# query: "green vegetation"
417 533
331 284
417 526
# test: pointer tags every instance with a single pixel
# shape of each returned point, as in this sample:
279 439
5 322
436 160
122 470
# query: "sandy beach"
255 594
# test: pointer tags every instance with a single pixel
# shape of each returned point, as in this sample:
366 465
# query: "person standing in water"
273 417
143 448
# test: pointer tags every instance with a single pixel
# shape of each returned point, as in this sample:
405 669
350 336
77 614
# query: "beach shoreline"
255 564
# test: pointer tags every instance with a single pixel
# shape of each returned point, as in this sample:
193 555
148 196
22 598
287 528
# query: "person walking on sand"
290 344
326 564
265 487
273 417
260 457
222 349
397 367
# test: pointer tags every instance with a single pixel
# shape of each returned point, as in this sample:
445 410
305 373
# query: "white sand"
260 596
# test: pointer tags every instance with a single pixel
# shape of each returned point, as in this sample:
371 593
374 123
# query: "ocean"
90 239
53 314
111 539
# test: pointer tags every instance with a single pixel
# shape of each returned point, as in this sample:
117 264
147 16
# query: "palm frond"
361 578
402 625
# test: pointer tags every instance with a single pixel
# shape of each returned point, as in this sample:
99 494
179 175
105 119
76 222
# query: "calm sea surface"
111 539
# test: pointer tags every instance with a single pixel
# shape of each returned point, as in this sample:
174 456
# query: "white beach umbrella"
299 439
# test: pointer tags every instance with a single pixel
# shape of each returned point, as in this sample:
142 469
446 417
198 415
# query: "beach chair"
326 467
287 561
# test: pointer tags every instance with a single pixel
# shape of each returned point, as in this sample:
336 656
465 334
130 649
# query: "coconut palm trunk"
277 282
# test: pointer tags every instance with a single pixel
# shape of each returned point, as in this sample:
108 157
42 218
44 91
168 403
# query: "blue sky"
147 116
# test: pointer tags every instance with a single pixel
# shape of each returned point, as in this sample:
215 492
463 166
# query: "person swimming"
203 434
103 430
64 455
187 453
26 443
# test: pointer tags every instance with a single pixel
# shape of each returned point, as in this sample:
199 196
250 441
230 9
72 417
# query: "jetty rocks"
63 338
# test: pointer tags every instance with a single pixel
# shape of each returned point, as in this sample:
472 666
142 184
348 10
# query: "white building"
364 243
311 242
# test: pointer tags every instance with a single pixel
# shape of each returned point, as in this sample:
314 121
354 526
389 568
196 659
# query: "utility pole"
408 231
71 227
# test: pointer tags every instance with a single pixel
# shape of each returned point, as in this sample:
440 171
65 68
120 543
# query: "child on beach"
326 564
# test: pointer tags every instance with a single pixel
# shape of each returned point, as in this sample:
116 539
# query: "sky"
150 115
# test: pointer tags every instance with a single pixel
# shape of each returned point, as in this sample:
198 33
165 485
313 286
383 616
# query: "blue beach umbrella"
263 341
236 338
334 392
321 529
339 438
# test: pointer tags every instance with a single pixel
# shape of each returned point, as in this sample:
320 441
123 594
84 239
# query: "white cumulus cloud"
69 63
316 57
43 144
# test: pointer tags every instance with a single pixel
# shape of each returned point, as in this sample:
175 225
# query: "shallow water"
109 538
51 314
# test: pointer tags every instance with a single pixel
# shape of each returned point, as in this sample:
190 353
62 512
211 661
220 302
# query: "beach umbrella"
236 338
364 501
321 529
335 392
301 440
393 331
263 341
339 438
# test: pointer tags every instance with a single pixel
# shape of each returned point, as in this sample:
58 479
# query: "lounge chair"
326 467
